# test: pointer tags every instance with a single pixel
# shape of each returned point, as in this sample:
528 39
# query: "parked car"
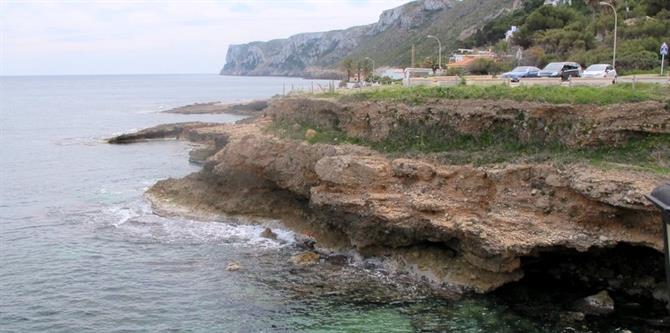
600 70
563 70
521 71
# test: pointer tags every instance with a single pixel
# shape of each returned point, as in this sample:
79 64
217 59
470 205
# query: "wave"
137 222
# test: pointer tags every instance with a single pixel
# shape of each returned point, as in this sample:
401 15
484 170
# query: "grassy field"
651 153
620 93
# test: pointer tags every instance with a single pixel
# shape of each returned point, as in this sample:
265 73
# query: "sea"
82 251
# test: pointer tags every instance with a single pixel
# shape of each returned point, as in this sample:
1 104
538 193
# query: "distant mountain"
388 42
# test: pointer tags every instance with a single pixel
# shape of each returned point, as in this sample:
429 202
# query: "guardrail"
644 79
488 80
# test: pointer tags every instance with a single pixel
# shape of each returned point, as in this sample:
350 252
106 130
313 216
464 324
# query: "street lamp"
373 65
439 50
660 196
603 3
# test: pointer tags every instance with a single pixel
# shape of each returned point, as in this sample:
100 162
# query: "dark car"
521 71
563 70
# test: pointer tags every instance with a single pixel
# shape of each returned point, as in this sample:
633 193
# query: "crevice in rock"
556 280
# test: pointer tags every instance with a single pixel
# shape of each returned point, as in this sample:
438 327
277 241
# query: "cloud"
77 37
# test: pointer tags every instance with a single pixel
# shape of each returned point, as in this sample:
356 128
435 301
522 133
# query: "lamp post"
373 65
603 3
439 50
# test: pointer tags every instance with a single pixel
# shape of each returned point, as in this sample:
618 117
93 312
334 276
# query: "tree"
364 68
593 6
484 66
655 6
428 62
348 66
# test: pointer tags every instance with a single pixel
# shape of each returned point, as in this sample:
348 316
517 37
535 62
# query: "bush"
455 71
484 66
638 60
534 56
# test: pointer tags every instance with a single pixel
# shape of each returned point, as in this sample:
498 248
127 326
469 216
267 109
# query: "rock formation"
462 226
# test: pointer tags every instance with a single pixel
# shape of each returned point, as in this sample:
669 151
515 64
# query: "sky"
147 37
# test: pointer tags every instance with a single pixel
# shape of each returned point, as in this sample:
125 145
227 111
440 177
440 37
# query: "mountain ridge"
388 41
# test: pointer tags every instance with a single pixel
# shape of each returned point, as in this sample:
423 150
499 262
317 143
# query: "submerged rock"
304 242
233 266
269 234
337 259
305 259
596 305
569 317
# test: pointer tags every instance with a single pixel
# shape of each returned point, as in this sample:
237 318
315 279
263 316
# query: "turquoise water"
81 250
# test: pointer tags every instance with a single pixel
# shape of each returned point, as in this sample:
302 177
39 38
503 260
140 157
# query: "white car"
600 70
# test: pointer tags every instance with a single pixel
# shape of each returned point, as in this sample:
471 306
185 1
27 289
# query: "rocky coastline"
462 227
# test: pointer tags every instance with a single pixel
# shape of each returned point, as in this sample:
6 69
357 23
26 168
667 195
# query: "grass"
619 93
650 153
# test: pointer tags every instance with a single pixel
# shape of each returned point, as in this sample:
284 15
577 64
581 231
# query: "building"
510 32
558 2
466 56
393 73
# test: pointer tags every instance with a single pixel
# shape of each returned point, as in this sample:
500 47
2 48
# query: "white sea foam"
138 220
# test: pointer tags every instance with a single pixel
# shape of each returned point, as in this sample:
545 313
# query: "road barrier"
485 80
644 79
591 81
488 80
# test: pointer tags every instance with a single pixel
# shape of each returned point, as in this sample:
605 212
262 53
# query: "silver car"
600 70
561 69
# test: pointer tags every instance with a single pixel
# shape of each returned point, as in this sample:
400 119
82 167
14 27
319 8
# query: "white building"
393 73
510 32
558 2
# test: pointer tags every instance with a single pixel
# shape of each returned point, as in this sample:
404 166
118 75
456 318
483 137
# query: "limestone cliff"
388 40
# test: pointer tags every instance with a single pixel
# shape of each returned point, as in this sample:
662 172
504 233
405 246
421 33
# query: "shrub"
483 66
638 60
457 71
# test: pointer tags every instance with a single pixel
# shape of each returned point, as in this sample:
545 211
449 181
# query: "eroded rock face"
528 122
463 227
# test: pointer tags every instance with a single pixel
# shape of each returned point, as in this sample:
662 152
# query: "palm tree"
348 66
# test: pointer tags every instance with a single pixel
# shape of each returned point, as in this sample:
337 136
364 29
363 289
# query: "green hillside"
393 47
583 32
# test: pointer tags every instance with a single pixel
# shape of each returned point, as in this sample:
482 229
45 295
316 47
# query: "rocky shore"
243 108
462 227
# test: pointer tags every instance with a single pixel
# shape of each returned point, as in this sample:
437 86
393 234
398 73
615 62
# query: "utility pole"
603 3
413 56
664 52
439 51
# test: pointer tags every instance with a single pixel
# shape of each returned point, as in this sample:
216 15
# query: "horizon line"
108 74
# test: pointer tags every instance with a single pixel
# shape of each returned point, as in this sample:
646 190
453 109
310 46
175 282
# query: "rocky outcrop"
463 227
245 108
318 54
167 131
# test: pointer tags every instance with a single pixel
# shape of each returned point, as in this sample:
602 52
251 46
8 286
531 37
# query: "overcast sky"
136 37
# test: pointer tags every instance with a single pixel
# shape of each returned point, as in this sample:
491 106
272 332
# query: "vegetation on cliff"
620 93
650 153
431 130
